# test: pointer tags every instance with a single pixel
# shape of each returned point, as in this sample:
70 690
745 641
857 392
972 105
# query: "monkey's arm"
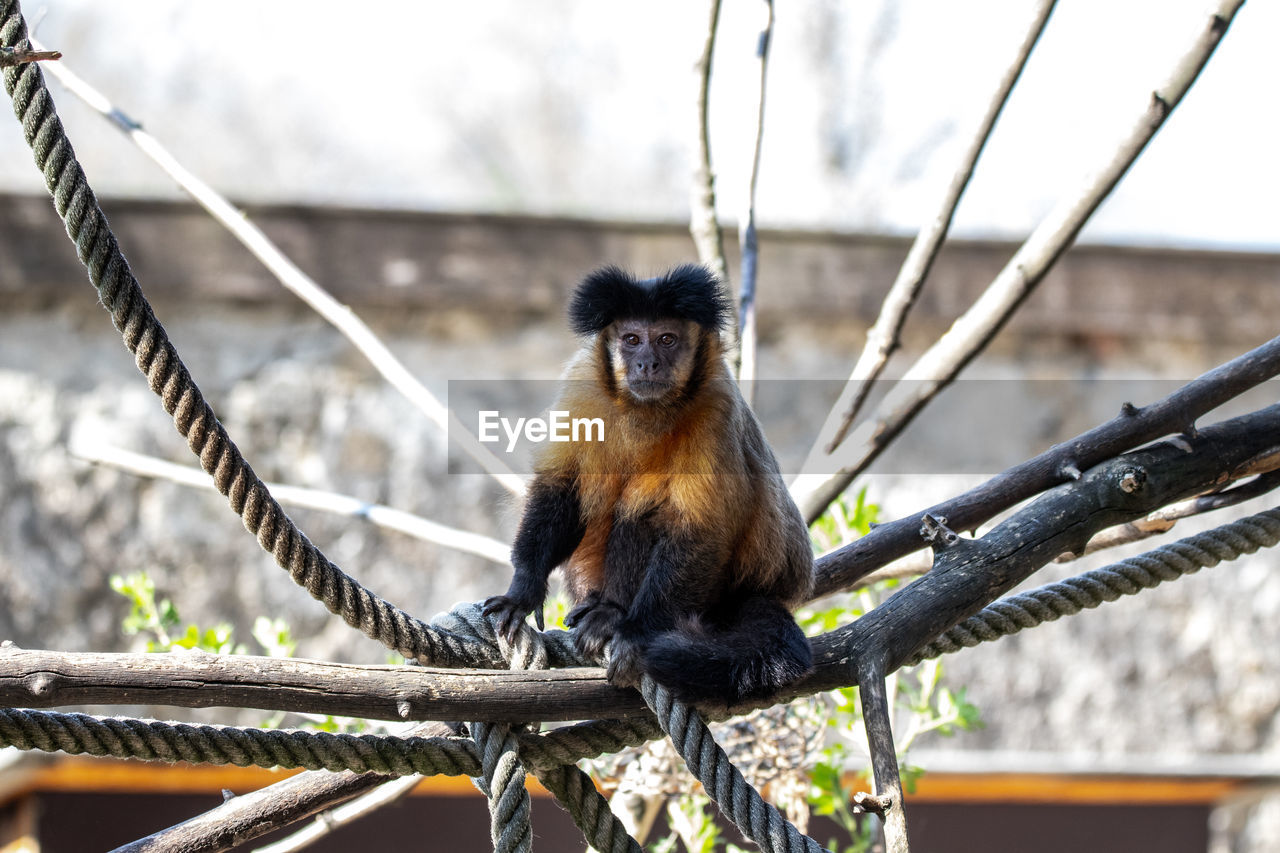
550 530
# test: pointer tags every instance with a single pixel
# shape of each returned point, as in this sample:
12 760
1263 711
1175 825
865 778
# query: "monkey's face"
653 358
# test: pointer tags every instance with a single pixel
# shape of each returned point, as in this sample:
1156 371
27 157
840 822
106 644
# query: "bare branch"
292 277
1160 521
884 755
747 229
1163 520
382 516
244 818
384 795
882 338
10 56
44 679
970 334
971 573
1132 427
704 225
1122 489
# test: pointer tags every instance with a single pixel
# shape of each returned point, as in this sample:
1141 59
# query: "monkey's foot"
624 664
594 622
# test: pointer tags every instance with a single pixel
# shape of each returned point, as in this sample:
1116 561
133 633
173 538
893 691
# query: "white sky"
586 108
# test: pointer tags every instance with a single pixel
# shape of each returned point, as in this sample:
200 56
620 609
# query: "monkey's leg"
595 621
680 578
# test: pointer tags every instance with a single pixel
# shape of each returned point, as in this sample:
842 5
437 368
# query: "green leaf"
275 637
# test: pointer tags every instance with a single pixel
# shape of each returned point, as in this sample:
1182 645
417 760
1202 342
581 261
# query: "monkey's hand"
594 622
511 609
509 615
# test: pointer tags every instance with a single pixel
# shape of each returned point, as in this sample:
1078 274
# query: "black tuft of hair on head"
687 292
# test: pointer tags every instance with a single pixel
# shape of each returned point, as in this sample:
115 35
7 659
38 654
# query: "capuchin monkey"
679 541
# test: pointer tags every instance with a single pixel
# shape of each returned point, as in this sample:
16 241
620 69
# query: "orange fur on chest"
677 467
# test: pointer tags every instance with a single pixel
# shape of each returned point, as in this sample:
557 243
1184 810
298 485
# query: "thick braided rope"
503 774
502 780
151 740
503 758
585 740
158 360
1127 577
589 809
759 821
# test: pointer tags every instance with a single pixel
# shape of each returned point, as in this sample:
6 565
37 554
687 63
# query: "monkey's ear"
604 296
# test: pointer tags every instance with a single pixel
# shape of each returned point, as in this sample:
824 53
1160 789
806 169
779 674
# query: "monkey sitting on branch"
680 543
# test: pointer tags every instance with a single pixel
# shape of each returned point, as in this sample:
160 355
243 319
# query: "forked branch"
971 333
882 337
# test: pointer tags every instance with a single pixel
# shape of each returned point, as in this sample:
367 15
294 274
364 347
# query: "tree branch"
244 818
750 248
704 225
882 338
876 715
44 679
388 792
10 56
1132 427
971 333
967 575
382 516
1163 520
294 279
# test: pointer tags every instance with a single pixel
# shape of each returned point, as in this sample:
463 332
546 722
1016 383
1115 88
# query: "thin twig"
882 338
750 247
704 225
292 277
244 818
971 333
10 56
326 822
345 505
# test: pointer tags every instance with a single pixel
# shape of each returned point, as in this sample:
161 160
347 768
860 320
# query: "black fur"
550 530
760 651
687 292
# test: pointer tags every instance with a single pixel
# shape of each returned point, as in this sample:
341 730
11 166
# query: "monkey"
680 543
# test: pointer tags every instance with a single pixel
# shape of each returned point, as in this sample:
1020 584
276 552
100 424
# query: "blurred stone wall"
1187 669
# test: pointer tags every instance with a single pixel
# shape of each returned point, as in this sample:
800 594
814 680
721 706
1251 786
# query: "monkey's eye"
631 339
667 340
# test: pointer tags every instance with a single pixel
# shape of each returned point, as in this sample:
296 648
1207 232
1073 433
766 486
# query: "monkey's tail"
758 654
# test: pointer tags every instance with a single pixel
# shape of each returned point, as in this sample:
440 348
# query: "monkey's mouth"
648 389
